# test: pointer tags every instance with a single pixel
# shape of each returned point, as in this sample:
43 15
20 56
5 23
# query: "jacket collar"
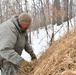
14 19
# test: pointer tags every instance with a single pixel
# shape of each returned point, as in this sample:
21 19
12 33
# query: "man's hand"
26 66
33 56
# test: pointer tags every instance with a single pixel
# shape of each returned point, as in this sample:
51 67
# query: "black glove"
33 56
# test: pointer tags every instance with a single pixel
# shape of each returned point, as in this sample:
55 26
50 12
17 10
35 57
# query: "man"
13 39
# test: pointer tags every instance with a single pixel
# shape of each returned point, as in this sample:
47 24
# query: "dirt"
59 58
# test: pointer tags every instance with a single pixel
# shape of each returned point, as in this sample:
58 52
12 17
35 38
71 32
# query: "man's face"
24 25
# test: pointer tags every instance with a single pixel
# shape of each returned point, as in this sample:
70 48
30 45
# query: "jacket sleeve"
28 47
7 41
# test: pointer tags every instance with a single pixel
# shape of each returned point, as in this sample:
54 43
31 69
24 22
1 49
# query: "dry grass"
59 59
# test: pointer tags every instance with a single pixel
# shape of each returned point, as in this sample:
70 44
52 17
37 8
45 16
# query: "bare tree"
65 8
58 16
70 9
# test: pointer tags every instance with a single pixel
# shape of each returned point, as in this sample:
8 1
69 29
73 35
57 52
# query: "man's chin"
23 30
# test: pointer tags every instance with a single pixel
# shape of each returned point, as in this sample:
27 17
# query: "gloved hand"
26 66
33 56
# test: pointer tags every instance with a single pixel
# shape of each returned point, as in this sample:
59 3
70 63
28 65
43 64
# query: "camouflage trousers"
9 69
12 69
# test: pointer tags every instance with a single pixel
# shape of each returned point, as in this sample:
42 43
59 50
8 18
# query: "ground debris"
59 59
